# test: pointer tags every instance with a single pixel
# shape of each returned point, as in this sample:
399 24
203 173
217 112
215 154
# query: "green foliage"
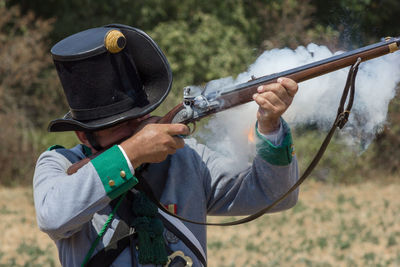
5 211
74 15
215 245
340 163
359 21
289 23
209 51
386 147
25 97
391 241
28 83
33 256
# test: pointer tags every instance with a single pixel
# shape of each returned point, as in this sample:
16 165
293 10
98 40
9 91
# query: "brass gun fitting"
393 46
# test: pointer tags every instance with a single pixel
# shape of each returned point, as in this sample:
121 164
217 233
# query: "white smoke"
316 101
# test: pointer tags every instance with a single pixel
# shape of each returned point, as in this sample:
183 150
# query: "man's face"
117 133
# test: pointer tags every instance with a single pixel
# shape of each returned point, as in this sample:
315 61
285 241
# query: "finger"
177 129
178 142
173 142
265 107
272 98
271 106
290 85
277 89
171 150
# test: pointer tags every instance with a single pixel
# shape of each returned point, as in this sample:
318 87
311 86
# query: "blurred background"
206 40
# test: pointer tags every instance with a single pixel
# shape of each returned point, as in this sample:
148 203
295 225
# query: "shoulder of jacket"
74 154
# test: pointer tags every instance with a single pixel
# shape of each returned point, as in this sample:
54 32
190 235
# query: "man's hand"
273 100
154 143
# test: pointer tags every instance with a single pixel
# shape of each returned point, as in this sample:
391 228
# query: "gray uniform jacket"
72 209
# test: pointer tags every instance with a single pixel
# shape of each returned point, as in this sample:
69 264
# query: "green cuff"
114 172
276 155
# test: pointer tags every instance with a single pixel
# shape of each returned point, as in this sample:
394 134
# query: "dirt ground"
356 225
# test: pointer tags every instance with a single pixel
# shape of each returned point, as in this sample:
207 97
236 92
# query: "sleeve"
233 191
64 203
281 154
275 138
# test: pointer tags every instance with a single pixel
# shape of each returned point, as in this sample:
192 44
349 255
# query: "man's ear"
82 138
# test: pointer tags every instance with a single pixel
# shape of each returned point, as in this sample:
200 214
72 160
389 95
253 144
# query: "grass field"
343 225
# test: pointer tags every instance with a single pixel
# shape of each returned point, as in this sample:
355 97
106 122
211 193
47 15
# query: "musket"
197 103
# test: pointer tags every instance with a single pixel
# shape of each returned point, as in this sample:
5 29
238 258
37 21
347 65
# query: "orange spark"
250 135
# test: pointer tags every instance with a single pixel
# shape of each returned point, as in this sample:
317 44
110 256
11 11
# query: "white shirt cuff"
127 160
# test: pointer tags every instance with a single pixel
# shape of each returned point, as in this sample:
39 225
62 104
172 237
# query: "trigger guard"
191 130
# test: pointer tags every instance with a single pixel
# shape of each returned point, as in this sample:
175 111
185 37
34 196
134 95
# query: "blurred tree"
27 94
289 23
386 148
208 51
359 21
27 78
73 15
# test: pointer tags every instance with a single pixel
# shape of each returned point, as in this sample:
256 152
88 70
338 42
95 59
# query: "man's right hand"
154 143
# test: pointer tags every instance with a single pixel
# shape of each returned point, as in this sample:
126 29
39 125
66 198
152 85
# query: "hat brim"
154 71
67 123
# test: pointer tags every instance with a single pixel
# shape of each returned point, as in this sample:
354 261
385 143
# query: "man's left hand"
273 100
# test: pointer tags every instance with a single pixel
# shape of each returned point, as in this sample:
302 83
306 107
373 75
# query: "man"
113 77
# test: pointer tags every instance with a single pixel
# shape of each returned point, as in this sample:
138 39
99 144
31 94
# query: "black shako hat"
109 75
